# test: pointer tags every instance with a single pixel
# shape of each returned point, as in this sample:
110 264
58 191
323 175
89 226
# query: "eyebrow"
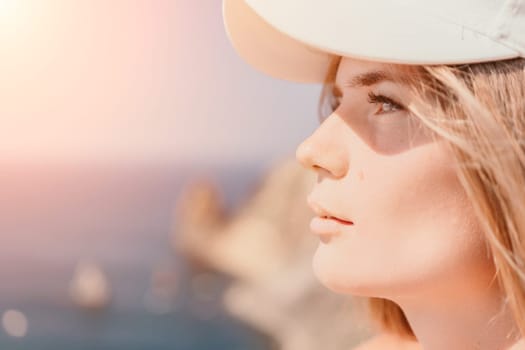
366 79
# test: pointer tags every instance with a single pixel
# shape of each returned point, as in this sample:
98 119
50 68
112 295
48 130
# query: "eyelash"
373 99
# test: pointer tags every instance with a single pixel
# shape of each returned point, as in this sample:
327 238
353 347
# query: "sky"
138 80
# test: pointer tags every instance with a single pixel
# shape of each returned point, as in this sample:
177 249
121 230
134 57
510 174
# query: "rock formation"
266 247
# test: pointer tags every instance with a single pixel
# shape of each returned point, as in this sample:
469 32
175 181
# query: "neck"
479 321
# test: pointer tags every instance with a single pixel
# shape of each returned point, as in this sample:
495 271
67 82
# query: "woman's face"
413 229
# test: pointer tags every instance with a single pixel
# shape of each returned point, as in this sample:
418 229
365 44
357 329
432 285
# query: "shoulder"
386 341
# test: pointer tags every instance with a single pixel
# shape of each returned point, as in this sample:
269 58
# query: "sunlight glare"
15 20
8 10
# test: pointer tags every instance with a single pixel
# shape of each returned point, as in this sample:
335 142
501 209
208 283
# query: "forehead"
365 73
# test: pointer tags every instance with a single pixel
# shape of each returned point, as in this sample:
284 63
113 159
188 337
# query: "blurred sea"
120 216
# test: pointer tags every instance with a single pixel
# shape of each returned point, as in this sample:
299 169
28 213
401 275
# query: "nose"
325 149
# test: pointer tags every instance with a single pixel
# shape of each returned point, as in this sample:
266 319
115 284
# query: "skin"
415 239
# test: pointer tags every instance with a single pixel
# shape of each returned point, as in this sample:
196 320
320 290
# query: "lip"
328 225
325 213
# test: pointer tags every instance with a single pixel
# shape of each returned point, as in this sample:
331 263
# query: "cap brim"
272 37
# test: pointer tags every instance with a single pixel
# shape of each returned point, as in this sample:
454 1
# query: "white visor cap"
297 39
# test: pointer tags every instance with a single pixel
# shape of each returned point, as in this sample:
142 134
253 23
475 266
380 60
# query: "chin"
333 277
341 279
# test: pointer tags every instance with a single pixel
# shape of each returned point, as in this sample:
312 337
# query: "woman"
420 161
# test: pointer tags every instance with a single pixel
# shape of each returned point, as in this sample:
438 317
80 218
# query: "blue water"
120 216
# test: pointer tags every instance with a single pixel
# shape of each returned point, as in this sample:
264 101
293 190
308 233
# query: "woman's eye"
336 102
385 104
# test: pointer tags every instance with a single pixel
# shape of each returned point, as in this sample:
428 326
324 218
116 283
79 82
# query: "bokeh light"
15 323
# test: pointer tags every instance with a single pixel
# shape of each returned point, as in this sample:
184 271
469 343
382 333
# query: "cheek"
415 230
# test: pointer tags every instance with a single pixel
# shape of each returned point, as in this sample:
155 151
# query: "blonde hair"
479 110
